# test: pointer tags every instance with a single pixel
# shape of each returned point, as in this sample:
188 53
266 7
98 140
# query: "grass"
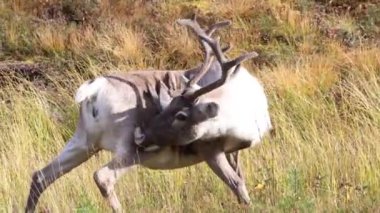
320 66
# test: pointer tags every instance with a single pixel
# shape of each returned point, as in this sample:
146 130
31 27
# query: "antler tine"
216 26
228 65
193 24
226 48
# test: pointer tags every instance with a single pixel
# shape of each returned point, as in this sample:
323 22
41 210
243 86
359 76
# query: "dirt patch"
15 72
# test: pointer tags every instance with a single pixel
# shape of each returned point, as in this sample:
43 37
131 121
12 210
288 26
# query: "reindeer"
112 106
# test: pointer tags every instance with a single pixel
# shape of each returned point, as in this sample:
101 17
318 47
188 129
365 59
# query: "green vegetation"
319 62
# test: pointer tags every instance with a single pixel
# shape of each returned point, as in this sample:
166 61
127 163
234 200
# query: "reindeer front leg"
233 160
106 178
216 159
125 157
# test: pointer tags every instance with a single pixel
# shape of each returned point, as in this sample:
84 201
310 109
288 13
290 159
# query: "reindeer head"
187 117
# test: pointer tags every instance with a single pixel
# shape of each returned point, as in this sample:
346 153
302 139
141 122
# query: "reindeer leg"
124 159
106 178
216 159
233 160
75 152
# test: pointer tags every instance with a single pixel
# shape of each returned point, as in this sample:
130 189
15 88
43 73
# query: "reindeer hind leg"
76 151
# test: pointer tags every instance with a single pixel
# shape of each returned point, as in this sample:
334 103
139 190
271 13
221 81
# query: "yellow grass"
324 101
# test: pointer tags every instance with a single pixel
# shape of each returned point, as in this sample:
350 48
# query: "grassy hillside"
319 62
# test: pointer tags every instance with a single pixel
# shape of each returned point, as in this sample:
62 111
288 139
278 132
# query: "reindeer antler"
193 24
214 45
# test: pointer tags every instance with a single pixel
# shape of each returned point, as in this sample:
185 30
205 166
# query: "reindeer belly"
170 158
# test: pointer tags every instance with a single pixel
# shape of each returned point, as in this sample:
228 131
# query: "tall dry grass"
324 98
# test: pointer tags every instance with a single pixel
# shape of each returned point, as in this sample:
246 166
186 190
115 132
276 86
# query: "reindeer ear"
164 96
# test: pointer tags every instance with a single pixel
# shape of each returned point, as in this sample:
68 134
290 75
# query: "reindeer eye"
181 116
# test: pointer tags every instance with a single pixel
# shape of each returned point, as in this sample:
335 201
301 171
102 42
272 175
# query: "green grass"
321 72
